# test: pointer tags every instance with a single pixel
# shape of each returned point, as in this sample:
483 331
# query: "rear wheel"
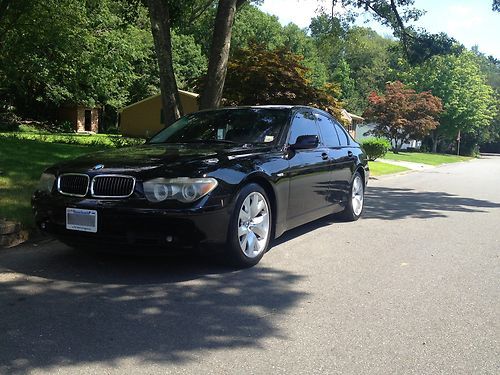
355 200
250 227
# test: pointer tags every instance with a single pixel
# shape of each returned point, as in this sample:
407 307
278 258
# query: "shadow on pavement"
84 308
396 203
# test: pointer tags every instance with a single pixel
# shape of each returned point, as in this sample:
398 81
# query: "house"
353 121
82 118
145 118
363 131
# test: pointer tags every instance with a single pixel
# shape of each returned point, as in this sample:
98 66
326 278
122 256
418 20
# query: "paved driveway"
413 287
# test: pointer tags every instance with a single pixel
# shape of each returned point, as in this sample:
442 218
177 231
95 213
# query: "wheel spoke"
260 227
252 242
254 207
242 230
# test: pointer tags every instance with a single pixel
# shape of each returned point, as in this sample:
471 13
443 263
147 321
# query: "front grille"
112 186
73 184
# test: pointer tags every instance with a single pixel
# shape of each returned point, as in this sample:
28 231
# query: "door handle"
349 153
324 156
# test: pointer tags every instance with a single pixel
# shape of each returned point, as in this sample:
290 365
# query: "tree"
259 76
392 13
67 51
370 57
467 100
211 95
160 27
401 114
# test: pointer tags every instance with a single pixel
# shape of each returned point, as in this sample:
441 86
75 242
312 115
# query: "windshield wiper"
209 141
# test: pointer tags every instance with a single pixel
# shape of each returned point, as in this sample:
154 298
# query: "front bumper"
137 227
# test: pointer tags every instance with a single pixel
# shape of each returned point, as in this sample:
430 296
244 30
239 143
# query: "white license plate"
81 220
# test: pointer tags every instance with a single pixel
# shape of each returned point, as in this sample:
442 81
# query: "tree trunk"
219 53
160 27
435 141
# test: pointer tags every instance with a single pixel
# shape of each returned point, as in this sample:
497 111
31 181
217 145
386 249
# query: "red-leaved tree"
401 114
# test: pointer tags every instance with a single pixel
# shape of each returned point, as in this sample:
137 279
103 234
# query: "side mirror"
305 142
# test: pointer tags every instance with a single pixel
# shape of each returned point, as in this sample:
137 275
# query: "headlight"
46 182
182 189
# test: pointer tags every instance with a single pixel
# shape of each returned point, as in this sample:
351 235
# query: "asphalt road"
412 288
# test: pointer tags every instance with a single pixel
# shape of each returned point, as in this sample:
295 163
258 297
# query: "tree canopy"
401 114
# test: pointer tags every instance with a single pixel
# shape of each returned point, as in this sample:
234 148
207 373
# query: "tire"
250 227
355 200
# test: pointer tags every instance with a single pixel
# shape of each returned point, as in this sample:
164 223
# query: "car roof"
267 106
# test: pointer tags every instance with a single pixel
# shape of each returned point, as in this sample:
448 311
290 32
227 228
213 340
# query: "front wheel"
250 227
355 199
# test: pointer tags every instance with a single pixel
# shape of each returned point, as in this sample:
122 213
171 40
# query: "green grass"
103 140
21 163
378 168
425 158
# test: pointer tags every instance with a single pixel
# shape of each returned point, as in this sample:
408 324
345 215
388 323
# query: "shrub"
9 122
375 147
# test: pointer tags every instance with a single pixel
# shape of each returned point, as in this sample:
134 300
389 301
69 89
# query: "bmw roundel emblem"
97 167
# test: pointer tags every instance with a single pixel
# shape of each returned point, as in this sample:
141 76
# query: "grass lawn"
103 140
378 168
21 163
425 158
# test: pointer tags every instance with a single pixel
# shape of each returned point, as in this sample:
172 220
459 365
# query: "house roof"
186 93
351 116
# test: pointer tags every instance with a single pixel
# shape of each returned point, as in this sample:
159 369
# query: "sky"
471 22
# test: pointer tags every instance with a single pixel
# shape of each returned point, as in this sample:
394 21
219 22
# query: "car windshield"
239 126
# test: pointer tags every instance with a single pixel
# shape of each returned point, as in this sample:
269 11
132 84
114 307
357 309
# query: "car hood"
154 156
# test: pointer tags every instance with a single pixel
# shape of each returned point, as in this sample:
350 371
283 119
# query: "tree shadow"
84 308
396 203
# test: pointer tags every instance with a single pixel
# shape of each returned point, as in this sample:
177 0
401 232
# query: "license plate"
81 220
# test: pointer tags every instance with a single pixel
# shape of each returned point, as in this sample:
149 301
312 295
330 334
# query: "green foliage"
188 60
101 140
401 114
469 103
375 147
259 76
254 26
73 51
8 122
370 58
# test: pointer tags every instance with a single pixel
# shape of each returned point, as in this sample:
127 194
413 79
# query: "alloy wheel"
253 225
357 195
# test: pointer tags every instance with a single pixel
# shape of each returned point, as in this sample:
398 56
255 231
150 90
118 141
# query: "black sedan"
231 179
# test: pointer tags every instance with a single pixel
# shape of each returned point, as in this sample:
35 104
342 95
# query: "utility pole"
458 142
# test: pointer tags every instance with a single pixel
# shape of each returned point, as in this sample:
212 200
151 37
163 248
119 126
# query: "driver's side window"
303 124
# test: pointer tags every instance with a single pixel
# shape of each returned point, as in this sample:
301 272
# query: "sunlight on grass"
426 158
21 163
378 168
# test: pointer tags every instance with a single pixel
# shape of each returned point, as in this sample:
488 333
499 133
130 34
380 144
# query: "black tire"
350 213
234 253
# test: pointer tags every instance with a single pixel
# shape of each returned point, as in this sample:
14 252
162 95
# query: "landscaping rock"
13 239
9 227
11 233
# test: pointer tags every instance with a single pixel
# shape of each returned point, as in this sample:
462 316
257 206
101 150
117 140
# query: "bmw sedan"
229 179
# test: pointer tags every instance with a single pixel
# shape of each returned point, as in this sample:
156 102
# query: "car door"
346 160
308 172
336 153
